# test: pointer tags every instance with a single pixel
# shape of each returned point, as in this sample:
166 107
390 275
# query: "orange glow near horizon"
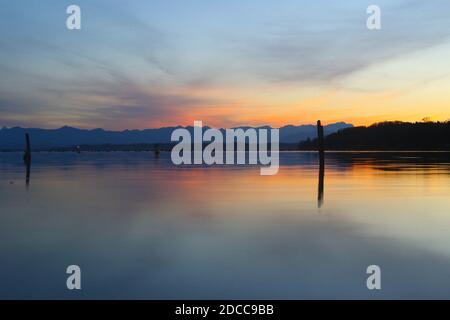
278 107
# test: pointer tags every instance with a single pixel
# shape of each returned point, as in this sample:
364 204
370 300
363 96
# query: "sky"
152 63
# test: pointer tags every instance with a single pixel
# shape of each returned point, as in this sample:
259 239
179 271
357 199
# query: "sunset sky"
140 64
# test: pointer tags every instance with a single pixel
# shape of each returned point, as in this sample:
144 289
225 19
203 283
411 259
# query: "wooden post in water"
320 137
27 157
321 149
27 154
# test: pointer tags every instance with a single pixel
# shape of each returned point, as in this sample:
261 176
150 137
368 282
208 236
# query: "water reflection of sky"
140 227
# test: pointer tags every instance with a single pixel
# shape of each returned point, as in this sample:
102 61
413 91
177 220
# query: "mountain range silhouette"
13 138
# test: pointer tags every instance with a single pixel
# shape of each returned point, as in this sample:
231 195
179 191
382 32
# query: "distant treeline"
388 136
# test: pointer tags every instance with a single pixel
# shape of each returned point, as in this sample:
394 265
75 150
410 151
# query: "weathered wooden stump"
27 154
27 158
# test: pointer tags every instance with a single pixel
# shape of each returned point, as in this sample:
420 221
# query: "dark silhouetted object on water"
27 158
27 154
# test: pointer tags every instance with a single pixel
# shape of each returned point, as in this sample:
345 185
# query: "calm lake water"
140 227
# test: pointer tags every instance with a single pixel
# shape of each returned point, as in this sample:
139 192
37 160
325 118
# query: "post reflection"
28 170
321 179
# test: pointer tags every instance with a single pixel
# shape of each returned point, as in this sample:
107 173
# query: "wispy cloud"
330 43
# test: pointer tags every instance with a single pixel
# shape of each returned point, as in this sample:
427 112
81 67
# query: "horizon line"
175 126
224 128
